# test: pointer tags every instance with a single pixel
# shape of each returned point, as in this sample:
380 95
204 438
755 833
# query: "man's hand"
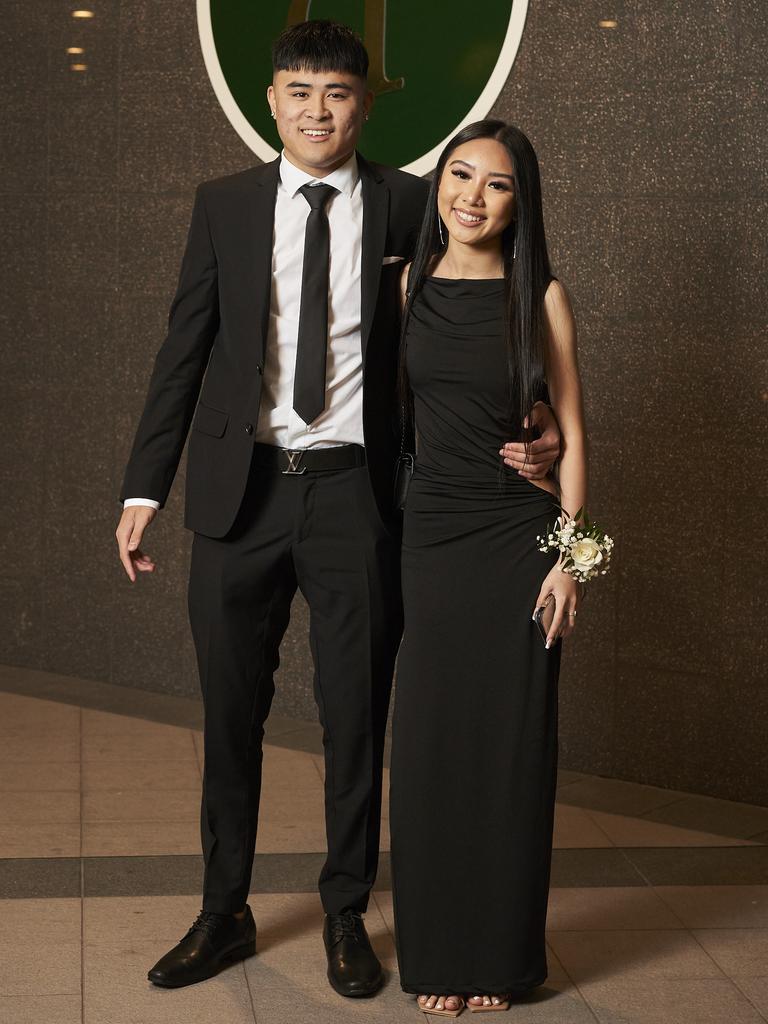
133 522
542 453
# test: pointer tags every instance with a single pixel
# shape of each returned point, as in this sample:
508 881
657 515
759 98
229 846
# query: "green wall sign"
435 65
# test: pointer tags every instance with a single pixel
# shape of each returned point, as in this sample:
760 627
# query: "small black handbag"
403 467
403 474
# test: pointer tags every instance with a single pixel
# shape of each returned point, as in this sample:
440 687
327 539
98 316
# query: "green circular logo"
434 67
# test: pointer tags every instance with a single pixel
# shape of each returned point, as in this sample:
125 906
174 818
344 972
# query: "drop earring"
440 228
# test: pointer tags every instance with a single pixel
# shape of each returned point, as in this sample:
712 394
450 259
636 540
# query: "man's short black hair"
320 46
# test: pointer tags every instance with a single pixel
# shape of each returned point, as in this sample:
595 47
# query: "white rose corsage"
585 547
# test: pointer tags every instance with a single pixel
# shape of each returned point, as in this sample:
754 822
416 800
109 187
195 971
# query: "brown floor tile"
718 906
142 805
616 796
41 1009
602 956
625 831
62 840
290 838
303 805
738 951
46 776
669 1001
117 990
150 838
575 828
37 748
281 767
108 737
39 808
383 901
622 907
26 922
197 739
18 712
700 865
41 969
147 920
140 775
719 817
756 990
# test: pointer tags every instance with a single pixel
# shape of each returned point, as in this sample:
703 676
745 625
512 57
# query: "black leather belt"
295 461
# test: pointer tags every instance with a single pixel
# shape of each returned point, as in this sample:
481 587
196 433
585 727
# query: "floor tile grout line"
381 914
749 999
635 868
669 906
707 953
248 988
574 983
599 828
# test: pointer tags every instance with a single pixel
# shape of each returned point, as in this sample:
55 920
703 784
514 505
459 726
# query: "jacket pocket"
210 421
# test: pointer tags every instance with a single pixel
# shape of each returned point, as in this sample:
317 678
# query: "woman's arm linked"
564 383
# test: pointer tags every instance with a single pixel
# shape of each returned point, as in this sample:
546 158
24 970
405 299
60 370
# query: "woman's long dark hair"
526 274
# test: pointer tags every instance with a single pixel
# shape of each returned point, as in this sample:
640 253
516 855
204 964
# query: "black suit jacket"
210 365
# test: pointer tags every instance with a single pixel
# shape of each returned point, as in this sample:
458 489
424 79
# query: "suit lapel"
375 221
259 225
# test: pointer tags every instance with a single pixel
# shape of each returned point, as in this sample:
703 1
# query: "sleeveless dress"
474 745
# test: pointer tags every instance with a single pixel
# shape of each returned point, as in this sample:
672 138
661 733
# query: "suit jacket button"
249 428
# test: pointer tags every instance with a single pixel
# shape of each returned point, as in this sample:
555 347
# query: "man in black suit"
282 355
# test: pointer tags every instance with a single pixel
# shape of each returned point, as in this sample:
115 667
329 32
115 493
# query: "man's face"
319 116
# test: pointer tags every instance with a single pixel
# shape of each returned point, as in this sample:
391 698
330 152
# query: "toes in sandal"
503 1005
443 1013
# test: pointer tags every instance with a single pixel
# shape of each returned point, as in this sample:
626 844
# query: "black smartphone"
545 613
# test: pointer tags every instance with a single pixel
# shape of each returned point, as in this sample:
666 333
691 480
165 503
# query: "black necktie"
309 378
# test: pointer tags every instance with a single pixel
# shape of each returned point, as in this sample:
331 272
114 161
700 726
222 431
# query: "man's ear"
271 97
368 103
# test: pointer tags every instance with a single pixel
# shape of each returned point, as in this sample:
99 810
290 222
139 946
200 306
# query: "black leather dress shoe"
212 943
353 969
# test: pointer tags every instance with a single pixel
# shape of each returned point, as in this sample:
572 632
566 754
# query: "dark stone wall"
653 146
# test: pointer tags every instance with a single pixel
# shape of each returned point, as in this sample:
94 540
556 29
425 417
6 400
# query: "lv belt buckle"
294 461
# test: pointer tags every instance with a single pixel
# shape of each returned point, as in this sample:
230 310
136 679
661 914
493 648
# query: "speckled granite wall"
652 140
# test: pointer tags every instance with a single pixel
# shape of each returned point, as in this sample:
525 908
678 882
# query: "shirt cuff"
149 502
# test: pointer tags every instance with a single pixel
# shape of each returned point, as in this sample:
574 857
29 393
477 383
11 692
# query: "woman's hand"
567 599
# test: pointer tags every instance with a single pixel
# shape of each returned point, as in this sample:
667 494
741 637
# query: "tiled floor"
99 867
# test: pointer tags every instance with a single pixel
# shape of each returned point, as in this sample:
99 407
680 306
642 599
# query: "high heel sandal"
503 1005
444 1013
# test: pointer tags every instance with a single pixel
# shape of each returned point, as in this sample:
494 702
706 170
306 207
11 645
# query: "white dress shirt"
341 422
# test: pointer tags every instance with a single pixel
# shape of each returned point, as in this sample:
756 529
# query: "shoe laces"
207 922
344 926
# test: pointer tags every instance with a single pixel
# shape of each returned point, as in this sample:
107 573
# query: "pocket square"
391 259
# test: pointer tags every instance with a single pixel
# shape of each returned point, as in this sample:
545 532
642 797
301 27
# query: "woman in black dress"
487 332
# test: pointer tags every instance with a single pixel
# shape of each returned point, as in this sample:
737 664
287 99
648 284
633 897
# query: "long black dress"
474 751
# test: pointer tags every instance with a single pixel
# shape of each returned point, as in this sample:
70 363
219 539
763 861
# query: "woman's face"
476 196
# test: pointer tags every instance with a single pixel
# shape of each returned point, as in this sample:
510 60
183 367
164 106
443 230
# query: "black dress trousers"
320 532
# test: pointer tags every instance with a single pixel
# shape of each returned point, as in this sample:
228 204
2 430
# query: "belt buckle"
294 461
